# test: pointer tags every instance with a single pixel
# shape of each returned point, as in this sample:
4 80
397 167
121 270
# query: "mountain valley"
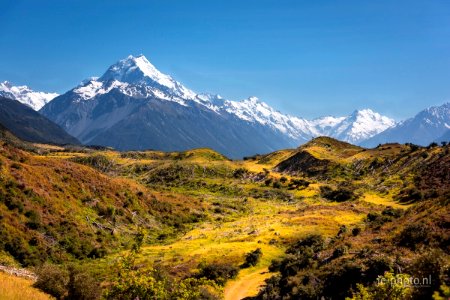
201 218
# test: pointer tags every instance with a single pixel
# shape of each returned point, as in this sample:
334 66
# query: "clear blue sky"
306 58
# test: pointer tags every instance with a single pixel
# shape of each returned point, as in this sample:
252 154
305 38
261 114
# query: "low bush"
252 258
240 173
218 272
340 194
52 280
298 183
68 284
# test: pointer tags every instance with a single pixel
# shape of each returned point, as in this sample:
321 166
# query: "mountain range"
134 106
431 124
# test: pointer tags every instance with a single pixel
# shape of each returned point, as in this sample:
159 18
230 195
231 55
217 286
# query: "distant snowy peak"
139 71
361 125
355 128
325 125
25 95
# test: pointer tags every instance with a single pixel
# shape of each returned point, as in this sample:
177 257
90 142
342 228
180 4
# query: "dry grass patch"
16 288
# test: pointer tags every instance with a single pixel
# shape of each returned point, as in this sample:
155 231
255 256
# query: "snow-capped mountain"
355 128
135 106
25 95
427 126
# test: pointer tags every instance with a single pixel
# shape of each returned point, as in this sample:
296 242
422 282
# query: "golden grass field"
16 288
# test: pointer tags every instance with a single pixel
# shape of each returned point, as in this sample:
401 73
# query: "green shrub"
252 258
240 173
339 195
219 273
392 212
377 220
377 266
314 241
342 279
82 286
409 195
276 184
34 219
52 280
299 183
98 161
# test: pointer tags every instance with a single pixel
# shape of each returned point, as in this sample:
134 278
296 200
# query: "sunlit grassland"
16 288
269 225
385 201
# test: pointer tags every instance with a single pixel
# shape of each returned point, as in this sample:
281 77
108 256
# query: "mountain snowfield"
25 95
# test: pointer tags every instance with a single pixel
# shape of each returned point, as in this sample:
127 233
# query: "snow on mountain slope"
424 128
25 95
139 71
133 92
360 125
253 110
137 77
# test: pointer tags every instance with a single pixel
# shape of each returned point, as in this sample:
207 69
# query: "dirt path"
246 285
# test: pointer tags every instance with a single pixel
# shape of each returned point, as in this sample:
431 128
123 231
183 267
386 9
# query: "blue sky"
306 58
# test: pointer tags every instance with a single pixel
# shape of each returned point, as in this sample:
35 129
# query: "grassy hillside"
321 214
59 210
